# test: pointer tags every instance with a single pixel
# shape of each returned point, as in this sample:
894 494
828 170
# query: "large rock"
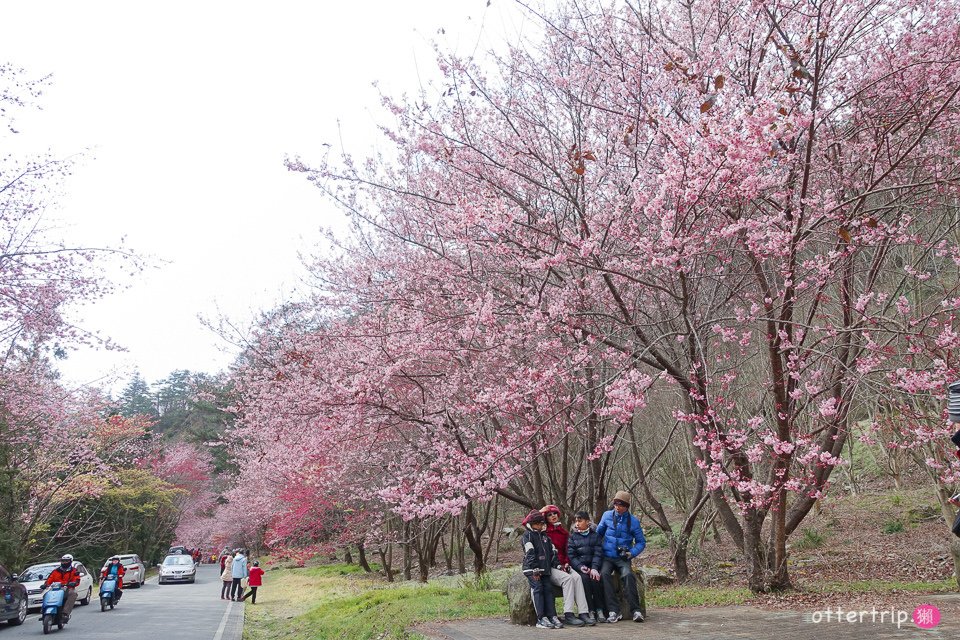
656 577
521 604
519 600
625 610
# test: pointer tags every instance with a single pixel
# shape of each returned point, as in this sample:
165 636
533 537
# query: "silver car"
136 570
177 568
33 578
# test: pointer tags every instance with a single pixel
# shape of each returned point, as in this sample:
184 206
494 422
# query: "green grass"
695 596
893 526
884 586
339 601
811 539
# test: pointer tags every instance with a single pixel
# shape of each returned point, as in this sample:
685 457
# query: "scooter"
108 593
52 607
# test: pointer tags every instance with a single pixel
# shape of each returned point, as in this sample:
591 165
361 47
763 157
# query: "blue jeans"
627 580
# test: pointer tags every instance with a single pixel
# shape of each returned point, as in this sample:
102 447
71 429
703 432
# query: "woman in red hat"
569 581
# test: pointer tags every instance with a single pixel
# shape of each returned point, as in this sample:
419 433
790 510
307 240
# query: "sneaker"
556 622
570 619
637 616
600 616
588 619
544 623
614 617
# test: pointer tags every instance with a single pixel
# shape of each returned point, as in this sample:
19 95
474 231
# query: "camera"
624 552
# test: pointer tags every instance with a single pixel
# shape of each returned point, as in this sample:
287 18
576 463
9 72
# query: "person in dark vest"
585 551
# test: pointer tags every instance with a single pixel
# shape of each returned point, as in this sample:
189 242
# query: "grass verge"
882 586
340 601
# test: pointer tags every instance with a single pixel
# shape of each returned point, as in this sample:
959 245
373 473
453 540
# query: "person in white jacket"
239 571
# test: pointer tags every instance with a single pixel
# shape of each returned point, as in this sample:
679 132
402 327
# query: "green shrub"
811 539
893 526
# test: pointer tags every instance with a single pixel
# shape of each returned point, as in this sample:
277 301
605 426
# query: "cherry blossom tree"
736 203
52 439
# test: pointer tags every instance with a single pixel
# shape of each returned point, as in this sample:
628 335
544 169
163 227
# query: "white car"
33 578
135 570
177 568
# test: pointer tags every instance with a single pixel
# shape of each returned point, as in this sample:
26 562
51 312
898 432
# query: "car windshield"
37 573
176 560
127 561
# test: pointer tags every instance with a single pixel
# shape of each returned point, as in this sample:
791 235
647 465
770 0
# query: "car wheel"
21 614
86 601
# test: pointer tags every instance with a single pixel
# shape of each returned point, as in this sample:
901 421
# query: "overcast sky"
185 111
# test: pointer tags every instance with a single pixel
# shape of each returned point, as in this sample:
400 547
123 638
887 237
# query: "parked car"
177 568
136 570
13 606
34 577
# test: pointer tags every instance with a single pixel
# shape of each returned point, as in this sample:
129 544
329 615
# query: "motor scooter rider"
69 578
115 568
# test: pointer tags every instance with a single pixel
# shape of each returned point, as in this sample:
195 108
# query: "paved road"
152 612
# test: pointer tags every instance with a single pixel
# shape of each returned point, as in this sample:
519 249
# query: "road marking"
223 622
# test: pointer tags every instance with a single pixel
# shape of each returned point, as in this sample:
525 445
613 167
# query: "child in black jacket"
585 550
539 556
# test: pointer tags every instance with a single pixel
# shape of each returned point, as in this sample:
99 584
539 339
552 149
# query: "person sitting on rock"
568 580
539 557
585 550
623 540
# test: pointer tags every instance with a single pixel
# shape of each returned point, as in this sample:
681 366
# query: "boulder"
521 605
519 601
655 576
625 610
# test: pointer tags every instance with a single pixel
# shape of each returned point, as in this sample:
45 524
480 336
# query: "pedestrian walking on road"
239 572
256 580
226 576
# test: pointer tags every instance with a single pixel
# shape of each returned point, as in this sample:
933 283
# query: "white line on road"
223 622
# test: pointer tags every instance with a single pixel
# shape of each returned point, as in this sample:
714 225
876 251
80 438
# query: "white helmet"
66 558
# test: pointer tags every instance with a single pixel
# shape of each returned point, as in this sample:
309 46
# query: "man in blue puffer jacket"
622 541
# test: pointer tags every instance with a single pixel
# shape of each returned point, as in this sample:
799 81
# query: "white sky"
188 109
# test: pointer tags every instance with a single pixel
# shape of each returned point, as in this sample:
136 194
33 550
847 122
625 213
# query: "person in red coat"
66 574
115 567
255 580
569 581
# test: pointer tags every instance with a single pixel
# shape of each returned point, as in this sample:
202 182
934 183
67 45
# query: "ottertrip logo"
926 616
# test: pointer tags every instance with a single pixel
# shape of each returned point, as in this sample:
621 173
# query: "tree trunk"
386 557
779 575
473 535
363 558
407 553
753 551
